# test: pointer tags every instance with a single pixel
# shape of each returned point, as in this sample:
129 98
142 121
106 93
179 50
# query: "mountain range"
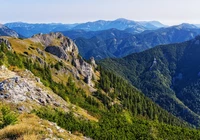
113 39
116 43
28 30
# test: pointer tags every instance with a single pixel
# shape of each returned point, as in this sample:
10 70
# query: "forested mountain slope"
168 74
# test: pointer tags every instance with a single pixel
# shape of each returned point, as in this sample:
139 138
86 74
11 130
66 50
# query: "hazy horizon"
168 12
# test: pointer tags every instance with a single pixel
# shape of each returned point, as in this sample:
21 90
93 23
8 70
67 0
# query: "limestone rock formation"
64 48
7 43
85 70
93 63
57 44
58 51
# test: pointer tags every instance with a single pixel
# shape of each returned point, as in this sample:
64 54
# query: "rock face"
64 48
58 51
93 63
84 69
57 44
2 40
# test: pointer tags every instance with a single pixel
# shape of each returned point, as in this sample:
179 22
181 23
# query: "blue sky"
73 11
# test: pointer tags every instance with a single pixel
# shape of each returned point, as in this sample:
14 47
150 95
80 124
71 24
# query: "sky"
169 12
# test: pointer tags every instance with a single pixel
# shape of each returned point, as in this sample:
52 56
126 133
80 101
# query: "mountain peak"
186 26
157 24
122 19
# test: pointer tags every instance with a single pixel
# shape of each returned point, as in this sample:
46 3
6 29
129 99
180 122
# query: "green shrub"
7 117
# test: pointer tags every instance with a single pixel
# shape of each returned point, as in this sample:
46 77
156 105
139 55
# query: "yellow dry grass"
26 126
31 127
29 137
20 46
97 74
27 45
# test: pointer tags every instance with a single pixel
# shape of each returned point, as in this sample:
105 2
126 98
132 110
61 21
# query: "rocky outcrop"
6 42
85 70
58 51
64 48
26 88
93 63
19 89
57 44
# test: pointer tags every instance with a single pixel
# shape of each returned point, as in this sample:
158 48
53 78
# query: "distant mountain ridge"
120 43
118 38
120 24
27 29
5 31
